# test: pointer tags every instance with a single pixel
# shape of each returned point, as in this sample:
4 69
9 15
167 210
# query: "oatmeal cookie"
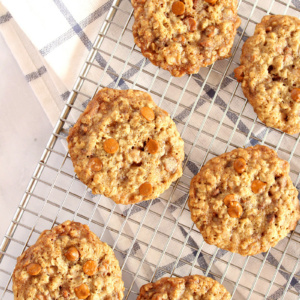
182 36
189 287
125 147
270 72
244 201
68 262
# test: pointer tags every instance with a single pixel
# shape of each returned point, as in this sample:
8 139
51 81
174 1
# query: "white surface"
24 132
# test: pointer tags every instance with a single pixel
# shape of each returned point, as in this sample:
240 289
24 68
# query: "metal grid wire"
157 238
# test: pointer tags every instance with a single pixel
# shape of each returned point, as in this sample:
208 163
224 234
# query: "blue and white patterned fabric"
51 39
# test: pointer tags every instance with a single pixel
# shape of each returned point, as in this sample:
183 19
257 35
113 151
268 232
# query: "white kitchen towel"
51 39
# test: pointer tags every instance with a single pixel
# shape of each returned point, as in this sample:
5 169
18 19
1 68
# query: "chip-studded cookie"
270 72
125 147
182 36
68 262
189 287
244 201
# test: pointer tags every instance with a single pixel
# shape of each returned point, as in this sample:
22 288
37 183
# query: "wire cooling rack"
157 238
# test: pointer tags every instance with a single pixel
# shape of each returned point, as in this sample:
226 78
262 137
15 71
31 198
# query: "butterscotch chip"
149 147
146 189
240 165
189 287
229 198
72 254
178 8
212 2
269 72
95 164
152 146
258 186
192 24
111 146
33 269
182 36
295 94
234 214
82 291
148 113
61 278
90 268
235 209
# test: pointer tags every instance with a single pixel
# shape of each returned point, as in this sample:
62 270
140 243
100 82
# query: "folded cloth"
50 40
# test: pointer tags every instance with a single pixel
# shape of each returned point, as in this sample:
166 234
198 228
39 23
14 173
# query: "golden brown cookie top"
270 72
244 201
68 262
189 287
125 147
182 36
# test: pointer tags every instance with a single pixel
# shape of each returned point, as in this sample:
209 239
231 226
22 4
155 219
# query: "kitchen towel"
50 41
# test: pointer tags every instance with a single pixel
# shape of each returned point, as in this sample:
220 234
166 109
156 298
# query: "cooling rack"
157 238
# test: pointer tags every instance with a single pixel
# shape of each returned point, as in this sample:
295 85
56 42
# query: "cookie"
68 262
244 201
182 36
125 147
189 287
270 72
